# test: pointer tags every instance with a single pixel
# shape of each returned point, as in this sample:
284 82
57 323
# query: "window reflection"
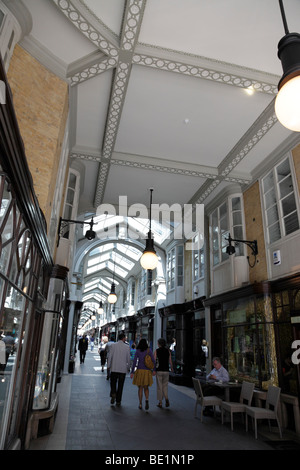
248 340
10 341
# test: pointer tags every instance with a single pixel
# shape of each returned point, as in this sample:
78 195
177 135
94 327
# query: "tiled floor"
87 421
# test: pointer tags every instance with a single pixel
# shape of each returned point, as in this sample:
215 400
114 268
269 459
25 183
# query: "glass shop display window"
12 336
45 378
249 340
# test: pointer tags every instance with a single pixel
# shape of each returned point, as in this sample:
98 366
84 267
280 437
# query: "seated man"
218 374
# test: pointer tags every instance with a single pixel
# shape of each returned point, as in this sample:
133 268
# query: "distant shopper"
142 376
102 351
163 363
173 351
118 364
132 352
83 346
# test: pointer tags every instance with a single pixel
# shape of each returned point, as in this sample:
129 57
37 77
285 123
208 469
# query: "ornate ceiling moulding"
209 70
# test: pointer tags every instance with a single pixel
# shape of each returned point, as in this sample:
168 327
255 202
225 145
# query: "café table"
225 386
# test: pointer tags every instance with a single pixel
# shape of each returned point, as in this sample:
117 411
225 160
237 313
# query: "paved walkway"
87 421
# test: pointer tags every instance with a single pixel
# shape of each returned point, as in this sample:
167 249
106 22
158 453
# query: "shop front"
144 325
25 266
252 330
185 323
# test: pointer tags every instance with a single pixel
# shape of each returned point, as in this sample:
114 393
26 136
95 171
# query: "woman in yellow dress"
142 376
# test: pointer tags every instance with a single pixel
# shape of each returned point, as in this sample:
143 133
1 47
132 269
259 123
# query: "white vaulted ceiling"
159 91
177 95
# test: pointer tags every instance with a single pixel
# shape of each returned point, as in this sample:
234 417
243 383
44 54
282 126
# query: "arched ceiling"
170 94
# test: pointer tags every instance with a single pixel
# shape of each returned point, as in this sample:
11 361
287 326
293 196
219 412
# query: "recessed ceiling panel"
135 184
110 12
234 31
182 118
92 106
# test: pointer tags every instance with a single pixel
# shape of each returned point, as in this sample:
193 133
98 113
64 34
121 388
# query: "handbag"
148 361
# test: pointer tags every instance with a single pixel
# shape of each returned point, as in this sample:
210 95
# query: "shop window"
20 264
175 267
249 336
281 212
149 282
198 259
225 219
287 371
220 231
46 363
200 354
171 269
71 200
132 292
179 266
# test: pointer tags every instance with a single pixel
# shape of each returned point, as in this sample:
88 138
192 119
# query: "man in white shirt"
219 373
119 364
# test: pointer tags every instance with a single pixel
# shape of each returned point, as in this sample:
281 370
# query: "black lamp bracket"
251 244
63 223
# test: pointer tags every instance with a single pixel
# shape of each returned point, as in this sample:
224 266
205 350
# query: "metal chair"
239 407
269 412
202 400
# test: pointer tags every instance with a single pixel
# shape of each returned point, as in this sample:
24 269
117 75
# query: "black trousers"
117 380
82 355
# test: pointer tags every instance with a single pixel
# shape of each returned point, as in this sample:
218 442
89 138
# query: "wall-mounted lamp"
230 250
287 103
149 259
112 297
90 234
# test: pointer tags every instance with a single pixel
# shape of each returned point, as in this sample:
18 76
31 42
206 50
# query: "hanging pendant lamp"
112 297
100 308
287 103
149 259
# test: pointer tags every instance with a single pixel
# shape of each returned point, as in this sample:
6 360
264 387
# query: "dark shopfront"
144 325
136 326
128 326
186 323
253 329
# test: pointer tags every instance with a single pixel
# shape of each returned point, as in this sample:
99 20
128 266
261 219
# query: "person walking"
163 361
132 352
118 364
102 351
92 342
83 346
142 376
